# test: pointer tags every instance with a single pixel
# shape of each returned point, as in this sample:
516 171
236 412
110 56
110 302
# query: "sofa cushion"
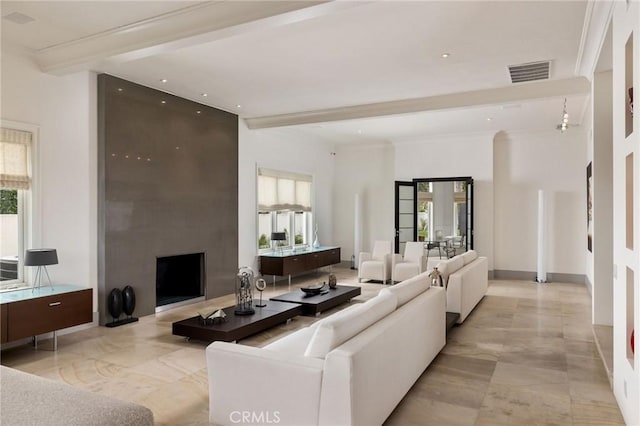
469 256
408 289
295 343
340 327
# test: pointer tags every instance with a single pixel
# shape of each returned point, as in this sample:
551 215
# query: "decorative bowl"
313 289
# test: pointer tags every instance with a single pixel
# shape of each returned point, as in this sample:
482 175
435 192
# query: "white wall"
601 259
626 298
455 156
367 171
64 109
287 150
524 164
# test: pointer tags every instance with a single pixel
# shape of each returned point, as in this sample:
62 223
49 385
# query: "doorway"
438 211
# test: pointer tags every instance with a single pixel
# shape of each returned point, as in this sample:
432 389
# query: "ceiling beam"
504 95
201 23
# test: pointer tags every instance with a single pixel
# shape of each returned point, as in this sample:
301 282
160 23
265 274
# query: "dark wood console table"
28 313
289 262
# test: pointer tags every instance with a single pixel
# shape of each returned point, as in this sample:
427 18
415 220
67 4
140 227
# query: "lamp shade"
40 257
278 236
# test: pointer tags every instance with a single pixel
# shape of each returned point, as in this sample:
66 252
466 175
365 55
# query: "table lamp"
278 236
41 258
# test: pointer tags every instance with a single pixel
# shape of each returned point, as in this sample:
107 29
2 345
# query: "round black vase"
114 303
128 300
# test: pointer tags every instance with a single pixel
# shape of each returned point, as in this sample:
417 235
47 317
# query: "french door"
444 208
405 216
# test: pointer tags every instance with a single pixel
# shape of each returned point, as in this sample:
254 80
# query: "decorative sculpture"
217 315
114 304
436 278
333 281
244 291
316 243
261 285
119 301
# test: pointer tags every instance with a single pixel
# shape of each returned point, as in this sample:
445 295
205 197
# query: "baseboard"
557 277
587 282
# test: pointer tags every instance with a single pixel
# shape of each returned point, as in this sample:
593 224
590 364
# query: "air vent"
529 72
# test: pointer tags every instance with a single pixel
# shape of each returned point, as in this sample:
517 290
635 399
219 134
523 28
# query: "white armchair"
376 265
412 264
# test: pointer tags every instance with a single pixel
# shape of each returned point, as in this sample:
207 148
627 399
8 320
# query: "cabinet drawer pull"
55 303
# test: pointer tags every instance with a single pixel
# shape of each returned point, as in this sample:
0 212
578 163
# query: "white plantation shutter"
14 159
279 191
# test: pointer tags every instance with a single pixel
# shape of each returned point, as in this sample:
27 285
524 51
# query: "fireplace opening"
179 278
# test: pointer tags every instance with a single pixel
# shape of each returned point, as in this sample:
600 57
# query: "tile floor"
525 356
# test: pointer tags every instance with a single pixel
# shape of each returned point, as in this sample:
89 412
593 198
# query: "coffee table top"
299 296
317 303
237 326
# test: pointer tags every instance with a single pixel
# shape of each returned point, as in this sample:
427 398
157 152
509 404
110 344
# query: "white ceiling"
290 61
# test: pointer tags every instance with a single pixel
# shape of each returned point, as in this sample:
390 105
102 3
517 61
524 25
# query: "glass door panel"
405 219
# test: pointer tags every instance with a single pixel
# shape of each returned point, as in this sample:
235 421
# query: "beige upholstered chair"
409 265
377 264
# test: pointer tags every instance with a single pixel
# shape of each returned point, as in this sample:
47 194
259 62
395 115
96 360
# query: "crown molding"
189 26
594 31
502 95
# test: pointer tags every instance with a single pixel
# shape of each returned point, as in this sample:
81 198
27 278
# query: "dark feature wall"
168 185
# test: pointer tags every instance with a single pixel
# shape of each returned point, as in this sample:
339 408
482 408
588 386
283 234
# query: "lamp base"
37 281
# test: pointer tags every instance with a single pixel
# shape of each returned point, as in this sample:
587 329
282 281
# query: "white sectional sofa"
351 368
467 278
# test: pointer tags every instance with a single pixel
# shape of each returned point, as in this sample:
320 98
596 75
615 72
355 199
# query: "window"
15 186
284 205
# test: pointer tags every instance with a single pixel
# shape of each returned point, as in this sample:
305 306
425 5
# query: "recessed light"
120 89
489 118
139 158
163 101
445 55
126 156
204 95
238 106
177 147
113 155
198 112
148 159
164 80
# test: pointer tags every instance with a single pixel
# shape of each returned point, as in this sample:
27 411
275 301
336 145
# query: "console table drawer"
294 264
44 314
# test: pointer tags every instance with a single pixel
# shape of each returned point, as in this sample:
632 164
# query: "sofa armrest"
466 287
396 258
285 388
364 256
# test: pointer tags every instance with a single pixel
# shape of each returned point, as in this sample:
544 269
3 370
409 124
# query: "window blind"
279 190
14 159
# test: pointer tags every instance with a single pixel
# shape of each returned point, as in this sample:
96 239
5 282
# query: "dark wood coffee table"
314 305
237 327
